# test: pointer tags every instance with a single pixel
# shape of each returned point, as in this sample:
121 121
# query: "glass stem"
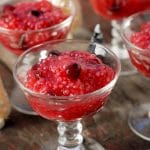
70 135
117 43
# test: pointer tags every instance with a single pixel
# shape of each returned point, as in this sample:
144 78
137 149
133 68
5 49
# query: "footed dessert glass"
136 36
66 110
116 11
19 40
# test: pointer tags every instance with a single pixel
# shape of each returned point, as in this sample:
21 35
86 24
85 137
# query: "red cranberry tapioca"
62 81
141 39
67 74
136 34
118 9
28 23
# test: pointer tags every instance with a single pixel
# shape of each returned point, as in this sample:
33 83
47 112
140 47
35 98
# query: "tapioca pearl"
75 86
76 55
98 73
87 87
55 87
107 79
64 82
64 67
29 24
66 92
37 38
57 73
59 79
47 34
43 61
54 33
45 68
38 86
60 58
60 86
7 21
46 7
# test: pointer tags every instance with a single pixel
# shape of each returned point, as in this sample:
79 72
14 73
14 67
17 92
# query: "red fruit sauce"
118 9
68 74
141 59
24 18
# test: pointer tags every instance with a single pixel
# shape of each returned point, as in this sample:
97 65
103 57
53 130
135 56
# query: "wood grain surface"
108 127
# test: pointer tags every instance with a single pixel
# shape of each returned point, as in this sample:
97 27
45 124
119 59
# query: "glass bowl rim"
56 26
125 25
101 91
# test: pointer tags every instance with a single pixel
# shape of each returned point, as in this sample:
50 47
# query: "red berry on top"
73 71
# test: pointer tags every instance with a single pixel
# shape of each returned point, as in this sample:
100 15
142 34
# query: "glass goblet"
68 111
17 41
116 11
139 120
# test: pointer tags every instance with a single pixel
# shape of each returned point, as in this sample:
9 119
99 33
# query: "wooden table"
108 127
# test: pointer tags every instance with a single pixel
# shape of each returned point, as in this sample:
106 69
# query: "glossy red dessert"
68 74
26 24
118 9
141 58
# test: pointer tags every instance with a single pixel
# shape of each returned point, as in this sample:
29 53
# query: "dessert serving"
136 36
64 82
116 11
68 73
26 23
141 39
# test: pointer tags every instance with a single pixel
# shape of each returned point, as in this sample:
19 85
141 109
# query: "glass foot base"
88 144
139 121
19 101
80 147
